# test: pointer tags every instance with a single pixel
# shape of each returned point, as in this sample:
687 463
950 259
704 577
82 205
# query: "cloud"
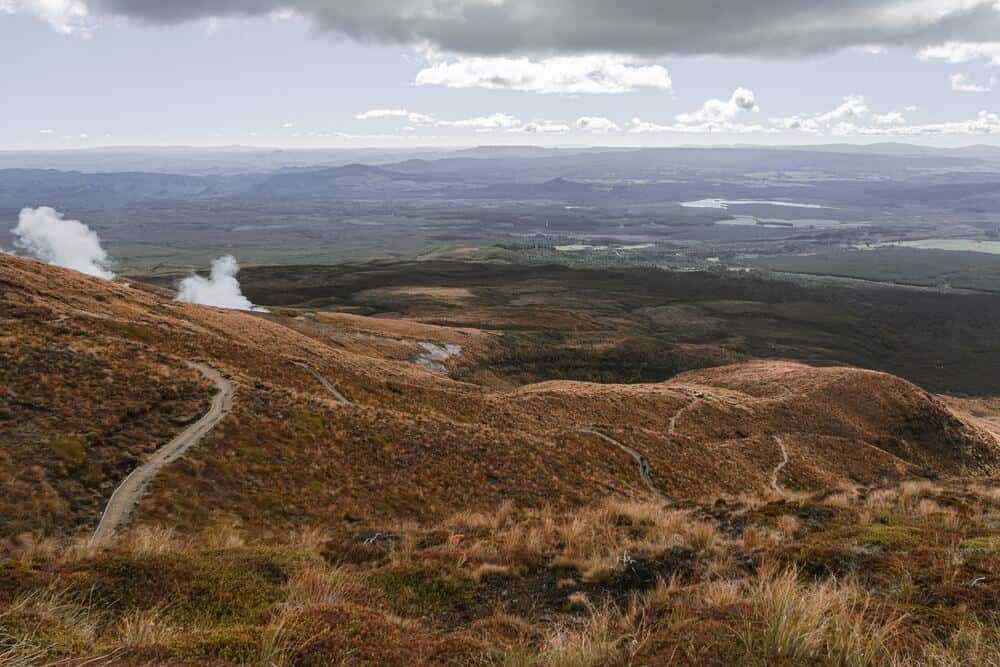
889 118
65 16
220 289
713 116
491 27
410 116
490 123
852 107
567 74
985 122
596 124
721 111
845 120
963 52
288 126
45 234
543 127
496 121
960 83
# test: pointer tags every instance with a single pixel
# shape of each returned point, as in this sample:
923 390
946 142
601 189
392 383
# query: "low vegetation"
900 576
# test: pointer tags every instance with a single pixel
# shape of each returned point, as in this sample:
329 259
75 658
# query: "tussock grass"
144 627
46 624
834 620
320 585
898 576
604 636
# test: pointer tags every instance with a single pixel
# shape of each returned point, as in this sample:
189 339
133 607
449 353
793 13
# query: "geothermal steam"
220 289
46 235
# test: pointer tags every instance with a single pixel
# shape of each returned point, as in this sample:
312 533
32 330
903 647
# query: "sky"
380 73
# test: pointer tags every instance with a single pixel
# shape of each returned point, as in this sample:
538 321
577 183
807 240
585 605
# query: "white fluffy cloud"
850 109
846 120
985 122
853 106
963 52
596 124
45 234
220 289
889 118
721 111
713 116
564 74
489 123
410 116
496 121
542 127
960 83
65 16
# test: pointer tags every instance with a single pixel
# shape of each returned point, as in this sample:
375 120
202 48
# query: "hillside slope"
94 377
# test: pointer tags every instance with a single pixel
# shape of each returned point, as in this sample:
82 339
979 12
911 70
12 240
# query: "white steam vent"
45 234
220 289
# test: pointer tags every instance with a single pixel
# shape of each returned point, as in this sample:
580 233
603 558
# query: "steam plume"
220 289
45 234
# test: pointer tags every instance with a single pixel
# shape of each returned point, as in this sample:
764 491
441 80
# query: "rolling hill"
316 492
96 376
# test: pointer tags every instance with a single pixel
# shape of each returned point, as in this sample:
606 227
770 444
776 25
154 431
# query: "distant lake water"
726 203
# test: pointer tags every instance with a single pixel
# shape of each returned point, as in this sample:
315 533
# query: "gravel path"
129 493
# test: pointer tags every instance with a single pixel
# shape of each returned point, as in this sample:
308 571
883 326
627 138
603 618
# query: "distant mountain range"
497 172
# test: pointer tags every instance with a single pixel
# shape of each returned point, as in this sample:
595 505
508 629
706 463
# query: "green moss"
67 448
940 621
989 543
888 537
309 422
93 474
239 644
16 577
35 634
416 590
202 587
132 331
355 635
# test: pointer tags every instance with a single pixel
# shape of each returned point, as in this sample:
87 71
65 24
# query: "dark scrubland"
641 325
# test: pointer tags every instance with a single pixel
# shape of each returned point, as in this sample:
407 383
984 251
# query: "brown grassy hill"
93 378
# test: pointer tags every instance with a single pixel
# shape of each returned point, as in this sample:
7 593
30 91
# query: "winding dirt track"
777 469
337 394
129 493
645 470
673 420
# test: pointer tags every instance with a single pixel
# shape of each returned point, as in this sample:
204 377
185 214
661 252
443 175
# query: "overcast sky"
328 73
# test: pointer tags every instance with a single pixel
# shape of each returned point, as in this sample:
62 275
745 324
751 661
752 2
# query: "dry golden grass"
316 584
788 525
487 570
604 635
144 627
146 540
501 594
831 620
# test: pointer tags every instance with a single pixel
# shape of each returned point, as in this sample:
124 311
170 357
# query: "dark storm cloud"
647 27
